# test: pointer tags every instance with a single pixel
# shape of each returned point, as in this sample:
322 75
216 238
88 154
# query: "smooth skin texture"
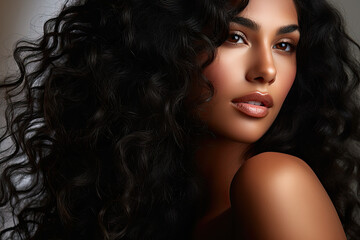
276 196
256 58
271 195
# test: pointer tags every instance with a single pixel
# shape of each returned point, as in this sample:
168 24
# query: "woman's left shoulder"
274 173
274 170
268 162
278 196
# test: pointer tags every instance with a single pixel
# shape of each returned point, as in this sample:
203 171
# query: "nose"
262 68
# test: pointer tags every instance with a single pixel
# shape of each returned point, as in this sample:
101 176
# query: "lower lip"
252 110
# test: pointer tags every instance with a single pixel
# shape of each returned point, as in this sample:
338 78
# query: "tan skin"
271 196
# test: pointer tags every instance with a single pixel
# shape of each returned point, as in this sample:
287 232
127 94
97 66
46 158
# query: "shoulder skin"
275 196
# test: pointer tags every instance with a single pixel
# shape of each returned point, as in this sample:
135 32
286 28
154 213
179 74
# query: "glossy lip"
242 105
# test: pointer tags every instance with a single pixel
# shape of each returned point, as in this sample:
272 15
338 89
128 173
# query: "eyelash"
288 47
237 36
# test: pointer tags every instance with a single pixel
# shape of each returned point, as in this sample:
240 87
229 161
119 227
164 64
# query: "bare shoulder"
278 196
267 162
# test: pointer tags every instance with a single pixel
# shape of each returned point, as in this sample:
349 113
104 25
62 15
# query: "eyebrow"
288 29
246 22
254 26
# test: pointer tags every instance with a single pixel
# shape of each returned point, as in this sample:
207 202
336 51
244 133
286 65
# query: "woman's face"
253 71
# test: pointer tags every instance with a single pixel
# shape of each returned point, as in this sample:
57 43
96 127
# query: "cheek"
224 71
214 73
285 79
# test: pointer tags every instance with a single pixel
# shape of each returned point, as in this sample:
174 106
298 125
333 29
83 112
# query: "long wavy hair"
100 135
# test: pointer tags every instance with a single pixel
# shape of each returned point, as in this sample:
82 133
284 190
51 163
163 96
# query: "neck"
218 160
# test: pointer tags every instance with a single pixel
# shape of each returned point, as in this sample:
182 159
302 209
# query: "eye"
285 46
236 37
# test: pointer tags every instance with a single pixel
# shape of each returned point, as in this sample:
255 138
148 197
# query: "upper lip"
264 98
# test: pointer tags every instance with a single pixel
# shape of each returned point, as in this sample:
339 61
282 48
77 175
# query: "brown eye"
285 46
236 38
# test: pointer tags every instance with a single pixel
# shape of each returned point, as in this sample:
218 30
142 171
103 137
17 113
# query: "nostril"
263 80
259 79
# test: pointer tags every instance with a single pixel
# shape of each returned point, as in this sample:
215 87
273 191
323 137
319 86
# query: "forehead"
271 12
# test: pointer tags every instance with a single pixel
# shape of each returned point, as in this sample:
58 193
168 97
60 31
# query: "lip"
242 104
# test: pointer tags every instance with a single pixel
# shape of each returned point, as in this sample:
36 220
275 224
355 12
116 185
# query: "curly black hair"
99 136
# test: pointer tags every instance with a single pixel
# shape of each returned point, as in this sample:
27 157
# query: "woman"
184 120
